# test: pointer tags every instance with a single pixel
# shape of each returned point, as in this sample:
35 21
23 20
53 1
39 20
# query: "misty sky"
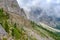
26 4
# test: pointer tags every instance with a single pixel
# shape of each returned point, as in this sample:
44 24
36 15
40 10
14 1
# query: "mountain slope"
15 25
14 21
45 16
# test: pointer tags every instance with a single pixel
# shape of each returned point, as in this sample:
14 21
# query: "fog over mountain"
45 11
51 6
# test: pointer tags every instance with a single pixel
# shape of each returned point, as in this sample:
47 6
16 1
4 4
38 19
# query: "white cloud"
26 4
41 3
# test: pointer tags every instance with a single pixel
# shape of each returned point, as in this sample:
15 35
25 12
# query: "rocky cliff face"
12 6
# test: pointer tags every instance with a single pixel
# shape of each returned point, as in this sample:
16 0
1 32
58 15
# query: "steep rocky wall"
12 6
2 3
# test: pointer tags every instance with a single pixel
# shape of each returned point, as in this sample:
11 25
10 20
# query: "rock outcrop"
12 6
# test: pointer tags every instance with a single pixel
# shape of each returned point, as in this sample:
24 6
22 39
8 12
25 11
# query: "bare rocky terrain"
2 30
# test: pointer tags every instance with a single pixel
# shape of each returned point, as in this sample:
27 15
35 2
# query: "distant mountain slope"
46 16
